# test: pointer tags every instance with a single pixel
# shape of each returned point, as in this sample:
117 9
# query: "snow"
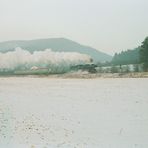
73 113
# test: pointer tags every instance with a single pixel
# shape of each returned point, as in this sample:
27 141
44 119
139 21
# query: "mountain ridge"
56 44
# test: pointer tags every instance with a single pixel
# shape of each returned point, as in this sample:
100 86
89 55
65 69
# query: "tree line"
137 56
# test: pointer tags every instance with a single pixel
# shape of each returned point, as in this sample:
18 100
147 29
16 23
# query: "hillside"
126 57
56 44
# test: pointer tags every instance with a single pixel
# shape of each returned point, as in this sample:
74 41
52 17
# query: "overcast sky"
107 25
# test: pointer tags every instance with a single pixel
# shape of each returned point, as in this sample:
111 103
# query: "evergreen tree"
144 53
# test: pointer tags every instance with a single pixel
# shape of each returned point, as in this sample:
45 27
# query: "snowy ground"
73 113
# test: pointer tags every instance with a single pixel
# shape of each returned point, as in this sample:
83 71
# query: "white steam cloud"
55 61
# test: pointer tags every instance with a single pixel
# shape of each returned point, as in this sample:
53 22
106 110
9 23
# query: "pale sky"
107 25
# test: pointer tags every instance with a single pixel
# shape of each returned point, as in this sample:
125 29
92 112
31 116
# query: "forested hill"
127 57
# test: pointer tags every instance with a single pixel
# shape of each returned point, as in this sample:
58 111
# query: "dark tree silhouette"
144 54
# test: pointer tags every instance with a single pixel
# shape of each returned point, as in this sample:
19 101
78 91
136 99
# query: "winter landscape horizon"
73 74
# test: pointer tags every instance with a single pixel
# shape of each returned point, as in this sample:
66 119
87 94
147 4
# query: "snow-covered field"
73 113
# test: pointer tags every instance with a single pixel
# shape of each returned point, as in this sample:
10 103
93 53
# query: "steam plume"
23 59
